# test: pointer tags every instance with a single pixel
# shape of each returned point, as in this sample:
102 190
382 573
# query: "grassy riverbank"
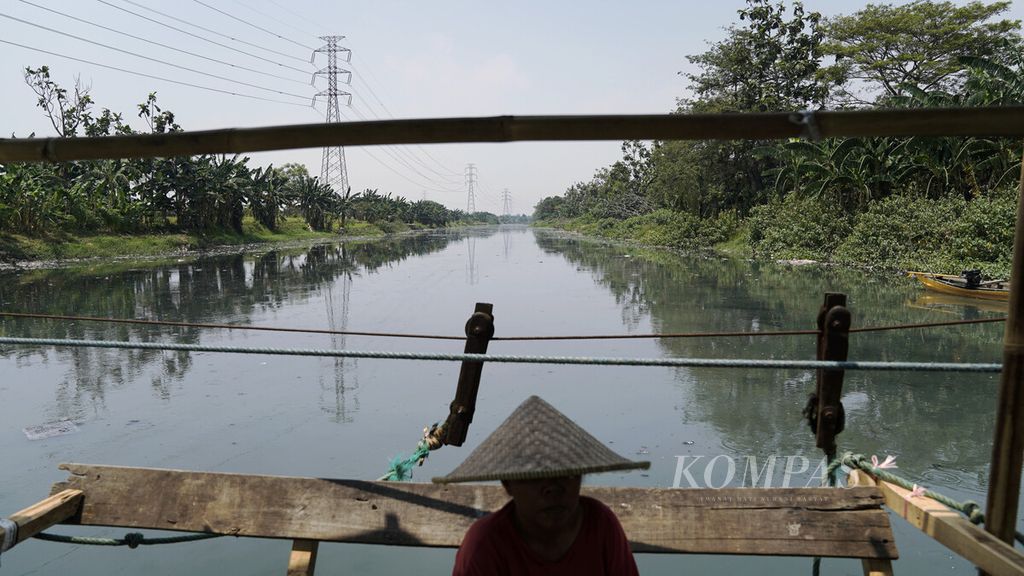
58 246
899 233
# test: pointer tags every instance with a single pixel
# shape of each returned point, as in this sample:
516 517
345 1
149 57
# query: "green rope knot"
400 467
973 511
133 539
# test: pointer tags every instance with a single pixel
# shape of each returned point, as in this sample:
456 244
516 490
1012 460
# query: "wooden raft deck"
792 522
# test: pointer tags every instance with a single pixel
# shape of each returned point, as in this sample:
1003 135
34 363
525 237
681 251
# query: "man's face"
550 504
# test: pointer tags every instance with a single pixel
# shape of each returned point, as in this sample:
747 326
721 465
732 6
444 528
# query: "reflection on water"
220 290
929 419
346 418
337 320
472 273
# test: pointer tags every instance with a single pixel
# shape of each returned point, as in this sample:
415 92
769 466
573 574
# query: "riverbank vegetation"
143 206
942 204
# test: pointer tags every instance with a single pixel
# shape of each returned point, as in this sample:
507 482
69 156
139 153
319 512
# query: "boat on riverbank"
963 286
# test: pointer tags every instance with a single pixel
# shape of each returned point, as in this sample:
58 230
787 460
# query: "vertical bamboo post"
1008 444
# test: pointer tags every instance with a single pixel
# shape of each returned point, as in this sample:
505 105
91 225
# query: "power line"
233 17
140 38
208 30
448 173
269 16
405 163
299 16
393 170
137 55
363 79
403 176
150 75
386 150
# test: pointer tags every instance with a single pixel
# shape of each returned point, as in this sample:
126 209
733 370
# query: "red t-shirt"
493 547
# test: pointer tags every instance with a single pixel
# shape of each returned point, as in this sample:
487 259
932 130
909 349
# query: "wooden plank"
994 121
795 521
951 530
302 561
1008 441
56 509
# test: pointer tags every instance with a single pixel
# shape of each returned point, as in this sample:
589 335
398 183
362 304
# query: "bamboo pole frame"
1008 443
1001 121
948 527
41 515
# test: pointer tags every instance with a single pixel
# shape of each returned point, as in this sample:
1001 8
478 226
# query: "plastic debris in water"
49 430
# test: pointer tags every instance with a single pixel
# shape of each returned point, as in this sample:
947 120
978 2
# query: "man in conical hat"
540 456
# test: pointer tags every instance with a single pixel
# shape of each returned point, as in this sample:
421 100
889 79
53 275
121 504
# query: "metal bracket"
833 344
479 331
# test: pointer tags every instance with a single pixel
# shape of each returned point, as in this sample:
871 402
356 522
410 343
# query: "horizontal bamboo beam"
46 513
1004 121
949 528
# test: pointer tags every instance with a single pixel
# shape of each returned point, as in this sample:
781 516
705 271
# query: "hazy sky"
411 59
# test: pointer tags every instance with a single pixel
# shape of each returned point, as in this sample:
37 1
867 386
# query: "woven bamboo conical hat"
537 441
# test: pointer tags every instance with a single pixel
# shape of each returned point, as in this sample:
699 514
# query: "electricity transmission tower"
333 171
506 203
470 181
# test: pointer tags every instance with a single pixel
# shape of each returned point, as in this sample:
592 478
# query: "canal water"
303 416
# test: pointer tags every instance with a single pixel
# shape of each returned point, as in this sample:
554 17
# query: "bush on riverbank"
19 248
947 235
802 228
662 227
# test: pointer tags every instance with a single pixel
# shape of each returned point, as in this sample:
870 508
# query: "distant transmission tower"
470 180
506 203
333 171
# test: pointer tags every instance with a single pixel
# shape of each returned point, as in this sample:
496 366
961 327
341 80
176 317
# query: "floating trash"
49 430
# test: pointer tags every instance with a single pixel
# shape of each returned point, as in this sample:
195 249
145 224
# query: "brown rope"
667 335
928 324
227 326
505 338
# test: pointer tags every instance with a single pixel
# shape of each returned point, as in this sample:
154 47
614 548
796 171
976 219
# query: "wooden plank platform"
790 522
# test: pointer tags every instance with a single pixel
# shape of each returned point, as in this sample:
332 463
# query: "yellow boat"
959 286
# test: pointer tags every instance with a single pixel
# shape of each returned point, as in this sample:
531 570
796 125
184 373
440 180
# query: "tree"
884 48
316 201
772 63
66 111
548 208
268 196
429 212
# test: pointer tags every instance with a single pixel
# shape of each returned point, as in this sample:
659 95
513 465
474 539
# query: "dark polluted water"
344 418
